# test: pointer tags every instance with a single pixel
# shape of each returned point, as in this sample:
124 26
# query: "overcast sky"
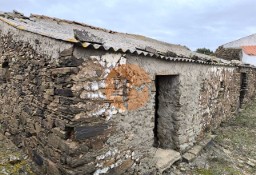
194 23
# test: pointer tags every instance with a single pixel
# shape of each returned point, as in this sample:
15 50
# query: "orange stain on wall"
127 87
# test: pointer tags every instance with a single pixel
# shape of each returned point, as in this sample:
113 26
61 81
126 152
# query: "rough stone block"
207 140
52 168
64 70
196 150
84 132
70 62
79 161
122 168
188 157
64 92
67 52
49 91
54 141
61 123
62 134
165 158
37 158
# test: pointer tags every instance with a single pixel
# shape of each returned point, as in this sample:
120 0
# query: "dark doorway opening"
166 110
243 88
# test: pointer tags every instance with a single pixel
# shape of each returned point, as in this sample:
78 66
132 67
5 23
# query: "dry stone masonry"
229 53
77 107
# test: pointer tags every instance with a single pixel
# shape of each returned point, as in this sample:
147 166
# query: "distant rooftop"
99 38
249 50
245 41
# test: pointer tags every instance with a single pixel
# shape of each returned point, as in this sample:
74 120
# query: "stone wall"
85 111
196 96
219 97
60 107
250 88
228 53
35 92
122 99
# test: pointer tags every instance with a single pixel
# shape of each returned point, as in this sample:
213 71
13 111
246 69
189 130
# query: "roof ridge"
239 39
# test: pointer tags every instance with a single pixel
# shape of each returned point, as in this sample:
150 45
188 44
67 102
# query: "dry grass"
233 151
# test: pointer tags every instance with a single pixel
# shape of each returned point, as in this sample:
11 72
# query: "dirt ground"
232 152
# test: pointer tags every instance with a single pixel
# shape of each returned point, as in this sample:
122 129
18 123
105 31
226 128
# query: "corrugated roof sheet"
249 50
98 38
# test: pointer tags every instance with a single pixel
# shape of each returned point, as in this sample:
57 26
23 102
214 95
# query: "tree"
205 51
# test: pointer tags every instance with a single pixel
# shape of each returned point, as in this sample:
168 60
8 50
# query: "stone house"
243 49
84 100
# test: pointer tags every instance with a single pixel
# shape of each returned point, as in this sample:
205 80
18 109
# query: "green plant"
205 51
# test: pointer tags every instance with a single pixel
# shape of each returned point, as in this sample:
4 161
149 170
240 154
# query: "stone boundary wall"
84 111
220 96
228 53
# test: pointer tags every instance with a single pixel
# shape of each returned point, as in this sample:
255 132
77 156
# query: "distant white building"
243 49
249 54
